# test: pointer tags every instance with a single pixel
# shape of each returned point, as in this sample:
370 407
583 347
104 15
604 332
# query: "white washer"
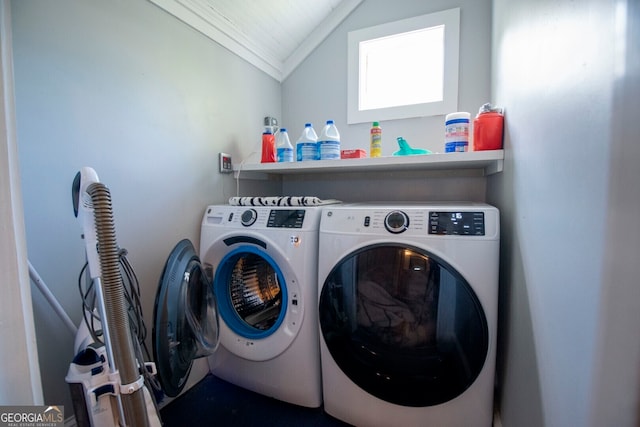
408 312
263 266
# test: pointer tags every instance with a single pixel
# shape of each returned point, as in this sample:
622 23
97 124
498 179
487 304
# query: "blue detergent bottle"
329 142
307 144
284 149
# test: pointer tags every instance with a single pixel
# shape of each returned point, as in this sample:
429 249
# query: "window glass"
404 69
418 77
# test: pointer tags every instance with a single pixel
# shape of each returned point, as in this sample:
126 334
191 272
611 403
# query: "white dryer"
254 286
408 299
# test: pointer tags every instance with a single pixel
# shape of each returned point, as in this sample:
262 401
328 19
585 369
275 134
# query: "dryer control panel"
457 223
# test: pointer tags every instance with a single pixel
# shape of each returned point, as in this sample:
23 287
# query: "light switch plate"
225 163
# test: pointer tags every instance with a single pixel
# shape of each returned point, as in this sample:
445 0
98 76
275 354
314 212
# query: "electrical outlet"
225 163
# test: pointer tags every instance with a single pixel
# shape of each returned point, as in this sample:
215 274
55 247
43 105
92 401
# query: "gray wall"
146 101
569 303
316 91
568 74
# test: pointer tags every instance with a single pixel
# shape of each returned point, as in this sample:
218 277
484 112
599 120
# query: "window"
404 69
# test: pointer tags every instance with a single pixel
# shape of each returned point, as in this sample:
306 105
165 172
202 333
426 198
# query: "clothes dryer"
253 289
408 310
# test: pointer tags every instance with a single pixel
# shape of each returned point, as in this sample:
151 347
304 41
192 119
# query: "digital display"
286 218
457 223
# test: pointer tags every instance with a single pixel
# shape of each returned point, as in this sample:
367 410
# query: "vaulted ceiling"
274 35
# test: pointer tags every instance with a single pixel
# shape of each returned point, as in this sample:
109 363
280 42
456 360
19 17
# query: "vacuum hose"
134 406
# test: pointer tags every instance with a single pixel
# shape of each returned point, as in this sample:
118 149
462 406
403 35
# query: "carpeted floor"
214 402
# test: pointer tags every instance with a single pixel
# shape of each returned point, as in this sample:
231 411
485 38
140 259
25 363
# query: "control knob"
396 222
248 217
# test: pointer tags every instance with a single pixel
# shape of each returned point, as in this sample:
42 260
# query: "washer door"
186 325
403 325
259 293
252 291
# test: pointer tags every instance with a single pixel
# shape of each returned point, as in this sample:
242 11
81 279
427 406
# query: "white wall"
20 384
129 90
569 190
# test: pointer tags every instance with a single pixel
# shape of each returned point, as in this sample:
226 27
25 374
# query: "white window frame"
451 20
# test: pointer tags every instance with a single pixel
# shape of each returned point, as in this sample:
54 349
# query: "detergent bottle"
488 128
329 142
284 149
268 146
307 144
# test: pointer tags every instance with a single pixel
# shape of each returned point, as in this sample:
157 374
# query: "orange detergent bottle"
268 146
488 128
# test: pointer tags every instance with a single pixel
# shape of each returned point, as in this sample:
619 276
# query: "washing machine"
248 303
408 299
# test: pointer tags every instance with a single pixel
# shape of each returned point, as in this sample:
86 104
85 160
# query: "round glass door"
186 324
251 292
403 325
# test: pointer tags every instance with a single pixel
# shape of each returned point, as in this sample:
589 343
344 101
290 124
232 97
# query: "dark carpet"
214 402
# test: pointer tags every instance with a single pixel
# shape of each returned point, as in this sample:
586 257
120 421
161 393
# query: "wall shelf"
488 162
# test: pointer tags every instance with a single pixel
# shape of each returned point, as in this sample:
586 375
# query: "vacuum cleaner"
108 377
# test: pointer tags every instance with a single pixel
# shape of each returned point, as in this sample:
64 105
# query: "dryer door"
186 324
403 325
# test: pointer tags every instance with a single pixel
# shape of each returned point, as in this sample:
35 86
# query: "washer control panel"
277 218
457 223
286 218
